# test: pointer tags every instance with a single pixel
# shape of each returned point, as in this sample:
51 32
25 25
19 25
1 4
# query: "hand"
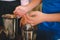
34 18
23 21
21 10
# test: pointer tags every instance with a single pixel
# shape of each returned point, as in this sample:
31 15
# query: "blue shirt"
50 7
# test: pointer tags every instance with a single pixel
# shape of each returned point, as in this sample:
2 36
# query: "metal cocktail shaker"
28 32
10 22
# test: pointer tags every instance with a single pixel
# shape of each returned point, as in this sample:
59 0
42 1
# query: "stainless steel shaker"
10 22
28 32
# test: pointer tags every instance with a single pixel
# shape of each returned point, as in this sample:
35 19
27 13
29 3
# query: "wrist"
29 8
47 17
44 17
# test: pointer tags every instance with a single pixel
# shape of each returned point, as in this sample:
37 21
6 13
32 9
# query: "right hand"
21 10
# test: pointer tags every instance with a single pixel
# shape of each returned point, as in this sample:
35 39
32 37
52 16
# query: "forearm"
52 17
33 4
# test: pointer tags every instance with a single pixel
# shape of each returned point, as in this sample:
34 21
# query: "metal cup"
10 22
28 32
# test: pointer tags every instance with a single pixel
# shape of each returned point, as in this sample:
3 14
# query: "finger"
32 24
28 17
31 18
29 21
32 14
26 20
17 15
21 22
16 9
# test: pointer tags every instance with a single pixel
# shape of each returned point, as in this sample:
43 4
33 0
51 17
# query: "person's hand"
34 18
23 21
21 10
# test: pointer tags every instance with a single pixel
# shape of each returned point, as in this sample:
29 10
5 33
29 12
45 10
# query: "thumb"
32 14
27 17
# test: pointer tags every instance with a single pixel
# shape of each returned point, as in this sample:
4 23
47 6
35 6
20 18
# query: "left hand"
23 21
34 18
